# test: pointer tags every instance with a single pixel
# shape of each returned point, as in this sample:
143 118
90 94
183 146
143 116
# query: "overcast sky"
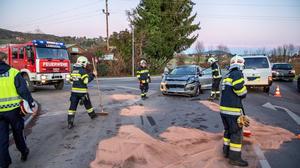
235 23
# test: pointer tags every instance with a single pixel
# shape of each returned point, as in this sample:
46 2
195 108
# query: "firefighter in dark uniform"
79 79
143 76
231 111
217 77
13 88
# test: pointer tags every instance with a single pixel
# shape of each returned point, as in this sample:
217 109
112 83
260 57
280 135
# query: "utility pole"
133 48
105 11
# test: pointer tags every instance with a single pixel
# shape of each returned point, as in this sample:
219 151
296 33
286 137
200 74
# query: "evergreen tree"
164 27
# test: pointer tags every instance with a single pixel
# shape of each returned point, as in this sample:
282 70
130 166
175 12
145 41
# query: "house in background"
75 50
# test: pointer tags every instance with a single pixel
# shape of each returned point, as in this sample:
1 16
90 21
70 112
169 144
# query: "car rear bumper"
283 77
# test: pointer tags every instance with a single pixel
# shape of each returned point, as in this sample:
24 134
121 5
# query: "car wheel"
59 85
266 89
197 91
29 83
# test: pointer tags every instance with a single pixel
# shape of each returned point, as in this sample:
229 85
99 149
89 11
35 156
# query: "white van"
258 72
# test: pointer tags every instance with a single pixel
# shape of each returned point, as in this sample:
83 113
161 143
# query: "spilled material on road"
123 97
180 147
135 110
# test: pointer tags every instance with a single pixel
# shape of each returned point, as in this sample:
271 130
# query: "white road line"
294 116
262 159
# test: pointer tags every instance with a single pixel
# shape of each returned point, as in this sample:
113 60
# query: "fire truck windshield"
51 53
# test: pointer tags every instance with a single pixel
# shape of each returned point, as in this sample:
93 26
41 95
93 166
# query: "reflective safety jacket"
80 78
143 75
216 72
9 97
233 92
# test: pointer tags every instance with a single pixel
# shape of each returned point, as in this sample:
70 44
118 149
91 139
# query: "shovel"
99 92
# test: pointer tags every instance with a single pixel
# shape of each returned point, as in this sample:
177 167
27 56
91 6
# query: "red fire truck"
40 62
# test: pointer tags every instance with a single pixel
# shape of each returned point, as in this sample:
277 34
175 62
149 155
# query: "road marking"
151 120
294 116
262 159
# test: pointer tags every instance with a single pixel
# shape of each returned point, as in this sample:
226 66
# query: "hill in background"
14 37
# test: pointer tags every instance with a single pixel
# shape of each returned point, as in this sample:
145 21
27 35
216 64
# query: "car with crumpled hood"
182 80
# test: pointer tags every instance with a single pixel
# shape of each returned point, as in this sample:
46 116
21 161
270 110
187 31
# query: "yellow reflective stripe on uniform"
73 74
235 147
226 141
90 110
79 90
231 109
227 80
86 80
84 76
241 91
10 99
237 81
71 112
215 70
144 71
138 76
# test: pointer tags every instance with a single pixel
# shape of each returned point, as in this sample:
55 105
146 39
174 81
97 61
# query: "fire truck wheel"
29 83
59 85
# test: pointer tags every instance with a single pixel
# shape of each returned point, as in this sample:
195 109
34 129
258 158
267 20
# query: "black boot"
217 97
226 151
210 98
24 155
70 121
236 160
93 115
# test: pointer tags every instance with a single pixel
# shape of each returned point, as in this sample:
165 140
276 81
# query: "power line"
43 18
58 19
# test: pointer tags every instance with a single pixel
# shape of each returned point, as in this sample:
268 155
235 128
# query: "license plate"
253 78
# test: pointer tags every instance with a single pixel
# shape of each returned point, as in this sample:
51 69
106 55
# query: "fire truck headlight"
43 78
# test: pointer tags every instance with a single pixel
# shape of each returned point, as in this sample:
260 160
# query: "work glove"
243 121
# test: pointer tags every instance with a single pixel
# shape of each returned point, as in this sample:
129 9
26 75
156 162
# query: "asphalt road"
52 145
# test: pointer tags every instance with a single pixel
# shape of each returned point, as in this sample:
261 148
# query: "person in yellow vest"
13 89
79 79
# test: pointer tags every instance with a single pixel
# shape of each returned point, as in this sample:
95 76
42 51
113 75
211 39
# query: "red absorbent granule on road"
268 137
123 97
134 111
211 105
180 147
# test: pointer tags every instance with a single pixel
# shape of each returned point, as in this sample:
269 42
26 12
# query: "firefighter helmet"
82 60
143 62
211 60
237 61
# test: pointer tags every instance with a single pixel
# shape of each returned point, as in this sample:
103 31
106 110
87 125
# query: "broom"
99 92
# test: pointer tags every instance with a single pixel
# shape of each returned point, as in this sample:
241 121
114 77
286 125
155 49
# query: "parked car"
257 72
283 71
182 80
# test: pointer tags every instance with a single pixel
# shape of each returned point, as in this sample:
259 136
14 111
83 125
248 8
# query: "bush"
102 69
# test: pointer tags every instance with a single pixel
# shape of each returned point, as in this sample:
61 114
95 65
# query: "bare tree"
223 48
200 48
199 52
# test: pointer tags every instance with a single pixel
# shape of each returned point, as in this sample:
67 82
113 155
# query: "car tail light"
270 78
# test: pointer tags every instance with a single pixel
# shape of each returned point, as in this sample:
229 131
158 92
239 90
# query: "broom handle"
98 86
